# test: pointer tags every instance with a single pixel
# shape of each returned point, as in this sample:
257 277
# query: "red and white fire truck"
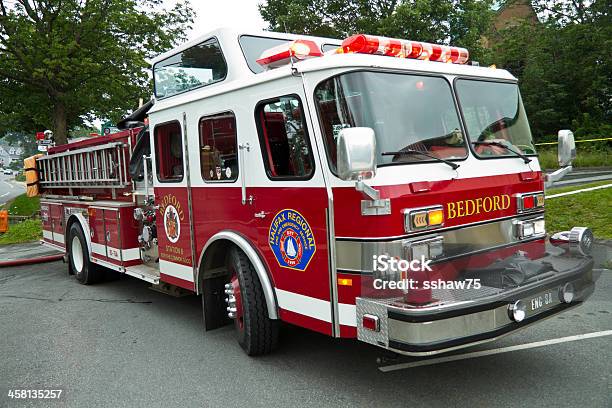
273 174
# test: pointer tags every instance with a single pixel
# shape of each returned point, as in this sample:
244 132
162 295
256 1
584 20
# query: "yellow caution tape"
577 141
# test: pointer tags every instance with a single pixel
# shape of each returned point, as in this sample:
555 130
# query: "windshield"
493 112
407 112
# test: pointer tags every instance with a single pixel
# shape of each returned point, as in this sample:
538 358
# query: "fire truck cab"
371 188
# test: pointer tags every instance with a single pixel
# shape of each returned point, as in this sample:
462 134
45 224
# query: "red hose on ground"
29 261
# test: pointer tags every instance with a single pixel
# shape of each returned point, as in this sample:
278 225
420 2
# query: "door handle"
261 214
245 147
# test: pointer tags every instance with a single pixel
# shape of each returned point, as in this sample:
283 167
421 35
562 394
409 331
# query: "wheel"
79 264
257 334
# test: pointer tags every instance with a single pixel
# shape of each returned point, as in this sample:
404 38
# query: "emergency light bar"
392 47
365 44
282 54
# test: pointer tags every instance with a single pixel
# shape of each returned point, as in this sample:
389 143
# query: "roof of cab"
239 75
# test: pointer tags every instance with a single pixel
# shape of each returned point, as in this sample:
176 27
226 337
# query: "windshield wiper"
499 144
410 151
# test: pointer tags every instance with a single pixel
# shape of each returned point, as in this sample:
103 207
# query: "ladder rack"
102 166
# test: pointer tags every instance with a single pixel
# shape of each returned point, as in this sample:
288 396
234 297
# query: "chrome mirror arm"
371 192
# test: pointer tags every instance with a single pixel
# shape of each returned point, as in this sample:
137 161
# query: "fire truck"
298 179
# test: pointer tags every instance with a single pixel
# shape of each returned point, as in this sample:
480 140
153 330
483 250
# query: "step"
144 272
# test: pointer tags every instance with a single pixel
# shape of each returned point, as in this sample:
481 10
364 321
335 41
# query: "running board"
144 272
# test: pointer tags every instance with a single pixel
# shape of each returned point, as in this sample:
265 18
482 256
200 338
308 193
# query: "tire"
79 264
256 333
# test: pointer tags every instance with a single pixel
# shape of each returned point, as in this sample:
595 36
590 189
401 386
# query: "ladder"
102 166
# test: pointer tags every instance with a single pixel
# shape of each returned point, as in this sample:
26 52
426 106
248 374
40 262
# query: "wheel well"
75 219
214 261
213 265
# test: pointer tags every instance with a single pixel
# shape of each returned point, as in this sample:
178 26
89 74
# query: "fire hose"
29 261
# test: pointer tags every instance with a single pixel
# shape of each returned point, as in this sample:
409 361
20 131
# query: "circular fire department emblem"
172 224
291 248
291 240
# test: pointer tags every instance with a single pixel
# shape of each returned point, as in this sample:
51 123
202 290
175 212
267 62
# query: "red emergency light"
40 135
392 47
282 54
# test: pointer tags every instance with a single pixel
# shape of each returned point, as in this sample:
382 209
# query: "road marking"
578 191
483 353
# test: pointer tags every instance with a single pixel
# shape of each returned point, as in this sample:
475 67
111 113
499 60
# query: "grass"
548 158
23 205
574 188
25 231
591 209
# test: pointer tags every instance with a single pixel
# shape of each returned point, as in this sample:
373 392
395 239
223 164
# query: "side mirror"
566 148
356 153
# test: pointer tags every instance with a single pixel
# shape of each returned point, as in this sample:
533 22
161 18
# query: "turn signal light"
435 217
416 219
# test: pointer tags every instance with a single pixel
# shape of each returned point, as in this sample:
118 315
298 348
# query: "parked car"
8 172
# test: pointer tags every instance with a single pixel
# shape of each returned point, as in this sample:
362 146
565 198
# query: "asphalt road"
9 189
119 344
584 176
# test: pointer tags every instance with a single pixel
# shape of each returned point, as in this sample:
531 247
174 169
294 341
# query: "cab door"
173 199
289 201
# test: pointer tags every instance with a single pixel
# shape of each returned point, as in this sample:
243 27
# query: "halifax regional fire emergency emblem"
291 240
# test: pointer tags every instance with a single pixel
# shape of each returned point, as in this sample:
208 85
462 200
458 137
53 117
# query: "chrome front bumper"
461 320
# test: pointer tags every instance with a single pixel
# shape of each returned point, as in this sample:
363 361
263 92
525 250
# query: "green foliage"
62 63
585 157
24 205
25 231
563 66
457 22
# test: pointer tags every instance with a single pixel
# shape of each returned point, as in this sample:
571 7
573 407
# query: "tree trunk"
60 124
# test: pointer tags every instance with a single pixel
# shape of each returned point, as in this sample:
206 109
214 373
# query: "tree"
563 66
458 22
64 62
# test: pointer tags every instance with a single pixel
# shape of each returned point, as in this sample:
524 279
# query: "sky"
212 14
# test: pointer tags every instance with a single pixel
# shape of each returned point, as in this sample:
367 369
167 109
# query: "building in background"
9 154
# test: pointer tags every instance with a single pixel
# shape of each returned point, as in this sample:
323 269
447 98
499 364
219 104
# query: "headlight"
529 228
431 248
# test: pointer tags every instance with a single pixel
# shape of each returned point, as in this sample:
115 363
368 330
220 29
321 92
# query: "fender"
250 252
84 225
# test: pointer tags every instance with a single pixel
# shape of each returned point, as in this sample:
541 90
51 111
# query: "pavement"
28 250
584 176
119 344
9 188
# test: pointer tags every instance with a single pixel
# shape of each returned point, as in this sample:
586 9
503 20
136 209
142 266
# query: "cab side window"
219 147
169 152
284 138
